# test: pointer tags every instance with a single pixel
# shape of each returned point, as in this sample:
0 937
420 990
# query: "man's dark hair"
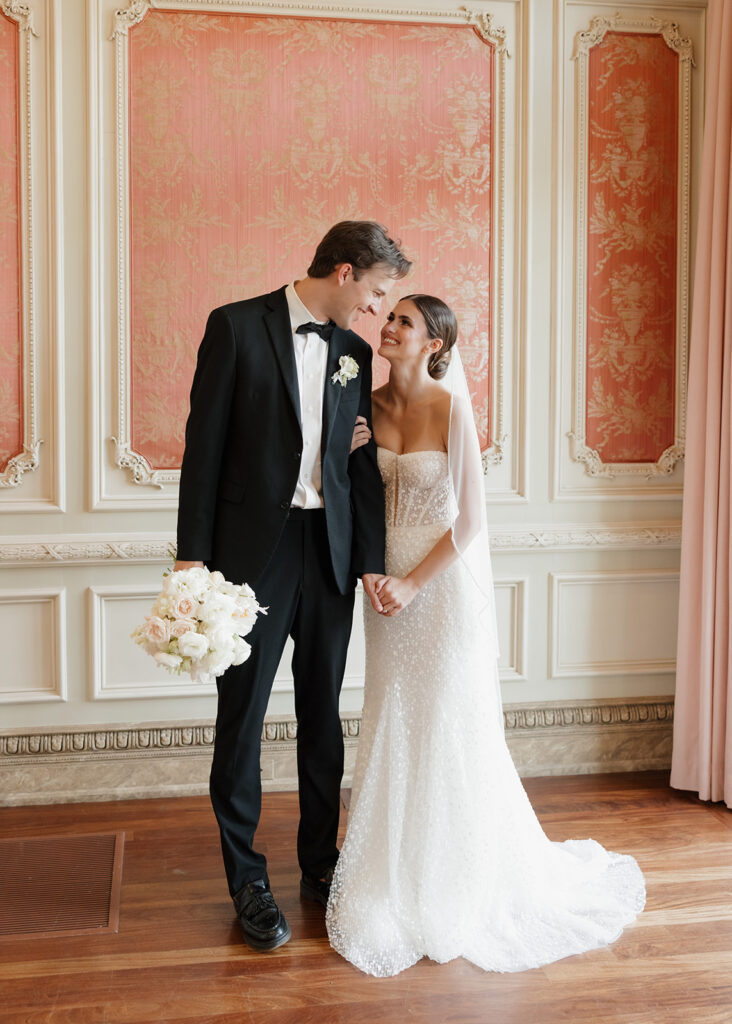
363 244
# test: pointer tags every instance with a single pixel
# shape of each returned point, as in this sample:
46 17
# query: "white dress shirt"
311 355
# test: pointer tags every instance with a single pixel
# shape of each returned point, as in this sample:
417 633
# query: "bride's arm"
396 593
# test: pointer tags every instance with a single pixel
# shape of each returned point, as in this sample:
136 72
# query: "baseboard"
122 762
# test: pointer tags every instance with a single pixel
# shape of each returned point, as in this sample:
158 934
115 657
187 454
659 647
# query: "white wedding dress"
443 855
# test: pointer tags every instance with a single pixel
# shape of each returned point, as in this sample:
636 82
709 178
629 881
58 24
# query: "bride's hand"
395 594
361 434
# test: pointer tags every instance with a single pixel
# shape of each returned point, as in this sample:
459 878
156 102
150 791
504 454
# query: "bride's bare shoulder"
440 403
378 397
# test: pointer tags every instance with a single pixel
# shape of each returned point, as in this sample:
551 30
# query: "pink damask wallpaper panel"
11 348
250 136
632 232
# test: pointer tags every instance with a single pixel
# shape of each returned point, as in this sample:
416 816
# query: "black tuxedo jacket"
244 445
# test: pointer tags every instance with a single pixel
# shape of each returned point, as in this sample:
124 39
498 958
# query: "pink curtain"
702 753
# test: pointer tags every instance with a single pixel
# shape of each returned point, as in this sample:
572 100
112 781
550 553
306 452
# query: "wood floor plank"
178 957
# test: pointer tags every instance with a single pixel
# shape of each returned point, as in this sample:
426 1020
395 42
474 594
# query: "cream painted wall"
586 570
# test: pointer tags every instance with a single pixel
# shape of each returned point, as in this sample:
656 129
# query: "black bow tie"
324 330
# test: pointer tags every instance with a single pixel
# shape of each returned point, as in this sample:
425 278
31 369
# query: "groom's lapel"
337 347
277 321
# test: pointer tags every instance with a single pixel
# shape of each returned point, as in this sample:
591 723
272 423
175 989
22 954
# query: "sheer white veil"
469 525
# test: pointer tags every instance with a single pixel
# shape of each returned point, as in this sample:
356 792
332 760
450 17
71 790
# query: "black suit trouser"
299 588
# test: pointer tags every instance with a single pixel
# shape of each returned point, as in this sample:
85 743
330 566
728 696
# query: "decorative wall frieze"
102 550
197 737
144 739
124 762
561 714
569 538
82 551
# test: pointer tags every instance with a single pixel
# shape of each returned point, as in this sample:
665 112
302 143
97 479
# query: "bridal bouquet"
198 624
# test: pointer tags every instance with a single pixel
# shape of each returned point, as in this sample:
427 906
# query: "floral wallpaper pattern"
632 230
250 136
11 349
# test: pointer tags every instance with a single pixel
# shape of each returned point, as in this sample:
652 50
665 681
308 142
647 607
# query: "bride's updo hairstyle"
441 323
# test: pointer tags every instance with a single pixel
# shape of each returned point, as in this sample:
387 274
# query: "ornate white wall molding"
34 670
613 623
580 451
26 460
113 490
34 478
566 537
76 550
165 759
129 549
496 37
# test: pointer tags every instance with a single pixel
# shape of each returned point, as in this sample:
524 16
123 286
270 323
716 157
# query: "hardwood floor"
178 957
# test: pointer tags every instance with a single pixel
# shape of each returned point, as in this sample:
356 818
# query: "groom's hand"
371 582
187 565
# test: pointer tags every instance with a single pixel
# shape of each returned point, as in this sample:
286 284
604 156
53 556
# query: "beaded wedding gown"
443 855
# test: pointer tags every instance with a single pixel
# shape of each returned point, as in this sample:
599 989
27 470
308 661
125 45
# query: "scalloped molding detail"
30 551
579 450
139 471
280 731
28 459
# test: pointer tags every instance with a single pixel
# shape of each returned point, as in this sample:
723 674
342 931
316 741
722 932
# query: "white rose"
192 645
217 578
198 580
216 611
168 660
195 582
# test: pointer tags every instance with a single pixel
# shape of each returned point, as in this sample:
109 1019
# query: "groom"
270 496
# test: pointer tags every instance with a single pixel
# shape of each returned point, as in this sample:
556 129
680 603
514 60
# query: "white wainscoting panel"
120 669
611 623
33 638
512 632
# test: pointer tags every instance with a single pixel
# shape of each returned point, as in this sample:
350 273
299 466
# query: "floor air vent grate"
60 885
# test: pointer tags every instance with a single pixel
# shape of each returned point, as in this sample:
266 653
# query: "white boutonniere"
348 371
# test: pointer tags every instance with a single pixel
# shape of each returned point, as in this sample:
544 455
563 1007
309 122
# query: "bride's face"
404 336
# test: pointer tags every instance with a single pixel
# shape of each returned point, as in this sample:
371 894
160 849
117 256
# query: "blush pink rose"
157 630
181 626
183 606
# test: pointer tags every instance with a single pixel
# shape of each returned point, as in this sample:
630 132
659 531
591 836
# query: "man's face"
354 298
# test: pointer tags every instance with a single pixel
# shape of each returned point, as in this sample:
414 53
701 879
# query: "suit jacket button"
296 455
284 505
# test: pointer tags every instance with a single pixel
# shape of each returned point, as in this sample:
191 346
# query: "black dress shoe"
317 889
261 920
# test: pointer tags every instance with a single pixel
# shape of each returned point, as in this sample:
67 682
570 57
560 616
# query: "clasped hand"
389 594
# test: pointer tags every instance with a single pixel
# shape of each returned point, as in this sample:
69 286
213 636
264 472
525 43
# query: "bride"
444 856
